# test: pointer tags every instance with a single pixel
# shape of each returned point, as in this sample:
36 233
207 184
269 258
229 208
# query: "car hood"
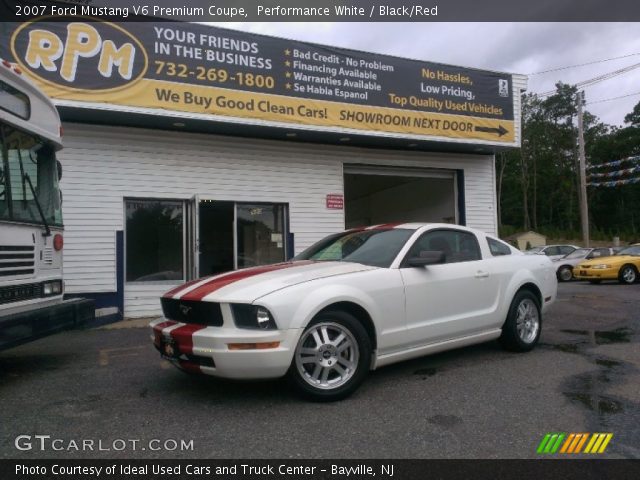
611 260
249 284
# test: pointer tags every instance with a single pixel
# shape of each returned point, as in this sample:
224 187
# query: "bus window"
25 156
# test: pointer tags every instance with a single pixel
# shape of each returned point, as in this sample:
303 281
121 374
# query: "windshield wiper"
35 198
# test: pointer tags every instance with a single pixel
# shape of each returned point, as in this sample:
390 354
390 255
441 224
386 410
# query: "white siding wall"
102 165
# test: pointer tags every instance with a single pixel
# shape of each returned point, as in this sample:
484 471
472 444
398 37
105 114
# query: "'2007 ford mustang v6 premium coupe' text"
355 301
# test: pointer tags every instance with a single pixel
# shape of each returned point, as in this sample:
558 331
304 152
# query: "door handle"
481 274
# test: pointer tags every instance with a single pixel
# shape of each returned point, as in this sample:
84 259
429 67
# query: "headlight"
252 316
52 288
601 266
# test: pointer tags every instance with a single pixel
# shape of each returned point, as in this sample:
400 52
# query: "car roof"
413 226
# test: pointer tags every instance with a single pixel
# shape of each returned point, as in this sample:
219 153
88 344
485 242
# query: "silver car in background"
554 252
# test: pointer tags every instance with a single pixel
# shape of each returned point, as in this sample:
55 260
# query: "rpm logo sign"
80 55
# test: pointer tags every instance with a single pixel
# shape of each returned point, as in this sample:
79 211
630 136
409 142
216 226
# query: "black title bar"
319 469
331 10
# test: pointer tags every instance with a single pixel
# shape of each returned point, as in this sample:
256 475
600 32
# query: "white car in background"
566 264
356 301
554 252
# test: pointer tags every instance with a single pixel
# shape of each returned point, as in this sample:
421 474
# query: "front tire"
628 275
565 273
332 357
521 330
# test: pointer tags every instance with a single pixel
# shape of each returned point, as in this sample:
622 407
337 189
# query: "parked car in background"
356 301
552 251
624 267
566 264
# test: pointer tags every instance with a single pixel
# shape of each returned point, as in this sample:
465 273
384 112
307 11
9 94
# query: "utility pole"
584 207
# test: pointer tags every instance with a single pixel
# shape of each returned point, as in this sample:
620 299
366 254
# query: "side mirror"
427 257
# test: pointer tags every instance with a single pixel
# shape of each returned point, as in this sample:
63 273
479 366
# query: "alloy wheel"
327 355
527 321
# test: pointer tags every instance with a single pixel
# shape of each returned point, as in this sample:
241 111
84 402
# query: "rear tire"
628 275
565 273
332 357
521 330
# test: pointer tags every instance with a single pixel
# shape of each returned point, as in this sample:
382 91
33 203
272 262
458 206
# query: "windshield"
377 248
579 253
633 250
24 158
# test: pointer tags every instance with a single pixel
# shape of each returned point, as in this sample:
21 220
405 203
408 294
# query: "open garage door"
375 195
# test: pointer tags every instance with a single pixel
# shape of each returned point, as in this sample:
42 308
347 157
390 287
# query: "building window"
154 240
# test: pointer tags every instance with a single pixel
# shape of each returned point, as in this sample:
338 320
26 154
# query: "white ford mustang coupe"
356 301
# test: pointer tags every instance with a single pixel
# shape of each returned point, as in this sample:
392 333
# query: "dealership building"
191 150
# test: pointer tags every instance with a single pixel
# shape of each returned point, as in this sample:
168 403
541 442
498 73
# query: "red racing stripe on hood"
217 283
383 226
183 337
173 291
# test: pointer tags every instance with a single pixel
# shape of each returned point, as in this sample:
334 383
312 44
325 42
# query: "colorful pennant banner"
615 183
615 163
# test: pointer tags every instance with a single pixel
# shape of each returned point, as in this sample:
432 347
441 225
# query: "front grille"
16 260
17 293
190 311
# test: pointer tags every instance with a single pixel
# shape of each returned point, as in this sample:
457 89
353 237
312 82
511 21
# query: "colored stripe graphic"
598 442
550 443
219 282
572 443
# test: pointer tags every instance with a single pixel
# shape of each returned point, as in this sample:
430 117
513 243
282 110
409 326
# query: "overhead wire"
557 69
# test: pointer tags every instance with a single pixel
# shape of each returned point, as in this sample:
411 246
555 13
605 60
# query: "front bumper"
203 349
32 324
596 273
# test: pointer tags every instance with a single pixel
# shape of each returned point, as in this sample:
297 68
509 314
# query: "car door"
452 299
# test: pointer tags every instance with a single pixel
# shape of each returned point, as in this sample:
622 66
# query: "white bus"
31 229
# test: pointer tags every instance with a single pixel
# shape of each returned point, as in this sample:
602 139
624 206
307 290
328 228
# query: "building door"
376 194
224 235
215 246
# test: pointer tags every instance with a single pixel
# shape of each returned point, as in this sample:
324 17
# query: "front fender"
379 292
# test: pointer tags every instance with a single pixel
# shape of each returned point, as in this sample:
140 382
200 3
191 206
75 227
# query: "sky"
511 47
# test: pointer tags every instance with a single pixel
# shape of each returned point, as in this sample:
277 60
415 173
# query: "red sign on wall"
335 201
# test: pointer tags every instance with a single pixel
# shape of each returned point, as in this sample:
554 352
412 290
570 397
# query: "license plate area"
169 348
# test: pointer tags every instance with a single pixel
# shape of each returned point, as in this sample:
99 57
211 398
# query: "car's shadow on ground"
217 390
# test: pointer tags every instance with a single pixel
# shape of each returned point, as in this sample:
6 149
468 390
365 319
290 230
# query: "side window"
552 251
458 246
566 250
498 248
600 252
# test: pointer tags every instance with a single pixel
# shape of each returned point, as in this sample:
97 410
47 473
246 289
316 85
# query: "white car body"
409 311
